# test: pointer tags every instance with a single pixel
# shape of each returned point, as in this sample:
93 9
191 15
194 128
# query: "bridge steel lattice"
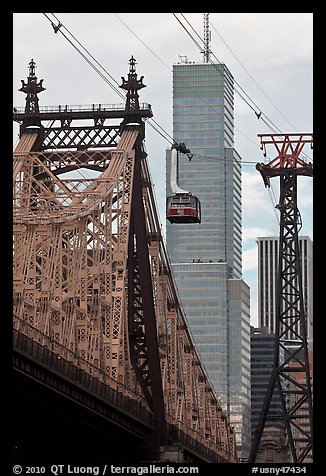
92 280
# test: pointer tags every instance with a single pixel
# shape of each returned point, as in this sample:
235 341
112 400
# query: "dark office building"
267 278
262 358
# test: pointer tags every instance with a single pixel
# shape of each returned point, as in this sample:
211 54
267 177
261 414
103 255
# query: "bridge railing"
50 353
68 108
78 376
193 440
87 376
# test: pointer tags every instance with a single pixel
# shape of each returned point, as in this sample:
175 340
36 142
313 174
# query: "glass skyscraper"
206 257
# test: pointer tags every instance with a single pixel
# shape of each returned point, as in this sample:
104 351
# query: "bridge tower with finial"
32 88
132 85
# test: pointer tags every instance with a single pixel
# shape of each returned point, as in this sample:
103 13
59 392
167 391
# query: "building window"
269 454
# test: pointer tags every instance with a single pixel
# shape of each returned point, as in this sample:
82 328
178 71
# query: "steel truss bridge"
99 330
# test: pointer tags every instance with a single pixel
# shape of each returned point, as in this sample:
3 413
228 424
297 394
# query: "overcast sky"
269 55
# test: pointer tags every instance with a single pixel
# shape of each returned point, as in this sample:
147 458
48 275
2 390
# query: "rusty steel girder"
71 241
92 280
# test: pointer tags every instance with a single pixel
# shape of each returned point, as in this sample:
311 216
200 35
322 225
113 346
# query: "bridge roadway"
64 413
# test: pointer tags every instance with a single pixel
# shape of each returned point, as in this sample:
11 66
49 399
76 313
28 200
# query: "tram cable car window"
182 206
183 209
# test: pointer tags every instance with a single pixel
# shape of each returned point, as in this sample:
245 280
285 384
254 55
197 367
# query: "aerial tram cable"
163 133
57 28
193 90
253 106
188 205
257 114
204 99
166 136
182 207
213 64
252 78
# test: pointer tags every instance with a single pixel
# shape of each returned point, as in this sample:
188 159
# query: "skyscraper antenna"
207 38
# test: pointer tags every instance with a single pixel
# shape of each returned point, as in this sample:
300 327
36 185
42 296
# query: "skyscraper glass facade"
206 257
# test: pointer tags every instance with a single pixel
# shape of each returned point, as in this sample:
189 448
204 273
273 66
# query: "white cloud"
249 259
258 203
292 42
251 233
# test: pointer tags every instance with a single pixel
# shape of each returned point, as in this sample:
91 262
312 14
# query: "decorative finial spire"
31 89
32 67
132 85
132 63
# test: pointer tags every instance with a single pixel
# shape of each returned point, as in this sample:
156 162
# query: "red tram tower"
291 329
